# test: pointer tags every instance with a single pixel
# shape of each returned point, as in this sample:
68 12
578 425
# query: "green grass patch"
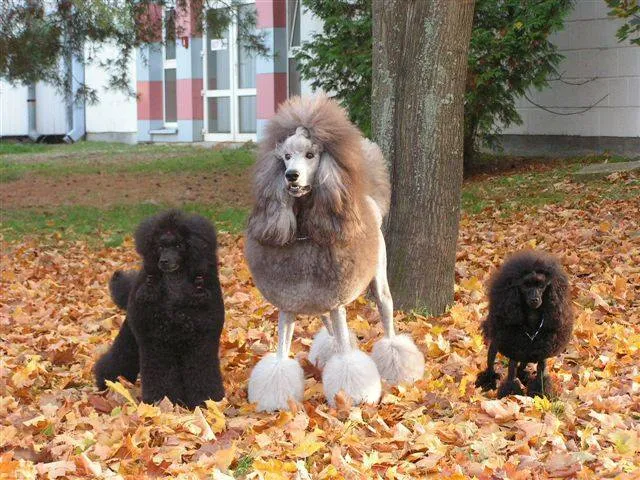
14 148
100 157
109 226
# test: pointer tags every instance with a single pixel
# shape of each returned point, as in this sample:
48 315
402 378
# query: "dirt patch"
108 189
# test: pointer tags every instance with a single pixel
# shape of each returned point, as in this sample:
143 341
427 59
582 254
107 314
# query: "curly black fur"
175 313
511 326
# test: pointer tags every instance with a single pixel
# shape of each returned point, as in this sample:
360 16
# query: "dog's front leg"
276 377
350 370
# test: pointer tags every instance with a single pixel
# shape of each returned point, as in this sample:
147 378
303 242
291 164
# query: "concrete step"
601 170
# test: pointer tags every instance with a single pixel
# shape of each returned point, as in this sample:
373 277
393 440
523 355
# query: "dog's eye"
309 155
287 156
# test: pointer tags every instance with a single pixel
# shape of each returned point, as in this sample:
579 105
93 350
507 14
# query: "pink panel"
190 105
271 91
271 13
150 100
150 23
187 18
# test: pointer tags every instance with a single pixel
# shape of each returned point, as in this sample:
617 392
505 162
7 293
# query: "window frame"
170 64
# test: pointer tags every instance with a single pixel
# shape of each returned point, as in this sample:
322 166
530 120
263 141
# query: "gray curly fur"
338 260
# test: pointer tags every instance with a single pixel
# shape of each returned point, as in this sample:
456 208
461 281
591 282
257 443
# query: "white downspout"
31 112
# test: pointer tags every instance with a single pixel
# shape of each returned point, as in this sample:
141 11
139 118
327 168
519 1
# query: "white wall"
115 112
309 24
607 68
14 116
51 110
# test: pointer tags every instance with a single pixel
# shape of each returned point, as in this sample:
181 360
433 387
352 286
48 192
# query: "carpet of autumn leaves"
56 318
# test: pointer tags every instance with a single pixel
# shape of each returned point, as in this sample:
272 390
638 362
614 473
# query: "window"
293 43
169 68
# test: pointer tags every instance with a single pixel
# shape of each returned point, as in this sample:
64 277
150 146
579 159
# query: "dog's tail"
376 168
120 286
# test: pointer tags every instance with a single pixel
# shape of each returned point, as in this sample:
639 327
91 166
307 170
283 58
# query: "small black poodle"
530 319
175 313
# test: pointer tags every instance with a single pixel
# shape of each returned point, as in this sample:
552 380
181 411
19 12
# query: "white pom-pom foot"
324 347
273 381
398 359
355 374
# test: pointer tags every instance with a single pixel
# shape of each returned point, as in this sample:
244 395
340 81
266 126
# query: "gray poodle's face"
301 158
532 288
171 249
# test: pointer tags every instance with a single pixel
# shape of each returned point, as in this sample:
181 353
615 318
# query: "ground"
60 246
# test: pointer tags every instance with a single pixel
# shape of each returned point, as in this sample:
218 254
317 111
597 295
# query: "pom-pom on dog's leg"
488 378
510 386
397 357
541 384
276 377
324 344
349 370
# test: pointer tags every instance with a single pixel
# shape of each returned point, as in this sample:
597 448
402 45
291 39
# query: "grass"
110 225
533 184
102 157
541 186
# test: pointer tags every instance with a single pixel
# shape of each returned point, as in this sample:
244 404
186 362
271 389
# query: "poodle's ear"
272 221
334 215
505 301
145 244
556 302
201 240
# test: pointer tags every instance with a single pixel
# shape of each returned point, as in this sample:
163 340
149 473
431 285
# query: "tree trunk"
419 68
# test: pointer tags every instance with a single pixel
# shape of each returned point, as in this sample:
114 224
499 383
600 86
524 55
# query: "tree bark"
419 69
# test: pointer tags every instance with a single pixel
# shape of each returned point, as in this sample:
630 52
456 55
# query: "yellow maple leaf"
471 284
147 411
273 468
307 447
542 404
118 388
370 460
215 416
626 442
224 457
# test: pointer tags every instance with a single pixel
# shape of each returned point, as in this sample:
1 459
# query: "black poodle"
175 313
530 319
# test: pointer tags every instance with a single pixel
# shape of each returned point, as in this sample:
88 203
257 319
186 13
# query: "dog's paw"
353 373
510 388
273 381
398 359
487 380
324 346
544 388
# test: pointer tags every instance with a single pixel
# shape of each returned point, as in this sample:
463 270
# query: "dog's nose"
292 175
163 262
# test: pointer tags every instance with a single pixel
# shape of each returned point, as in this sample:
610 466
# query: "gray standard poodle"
314 244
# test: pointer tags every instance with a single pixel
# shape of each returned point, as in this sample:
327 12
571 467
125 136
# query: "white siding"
309 24
115 112
51 111
603 68
14 116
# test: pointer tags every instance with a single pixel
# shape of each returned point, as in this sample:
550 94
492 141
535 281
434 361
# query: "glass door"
230 87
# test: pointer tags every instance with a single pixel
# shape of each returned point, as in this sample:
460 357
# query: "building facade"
199 87
593 105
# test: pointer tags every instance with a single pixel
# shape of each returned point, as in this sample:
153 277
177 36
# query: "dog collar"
533 337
